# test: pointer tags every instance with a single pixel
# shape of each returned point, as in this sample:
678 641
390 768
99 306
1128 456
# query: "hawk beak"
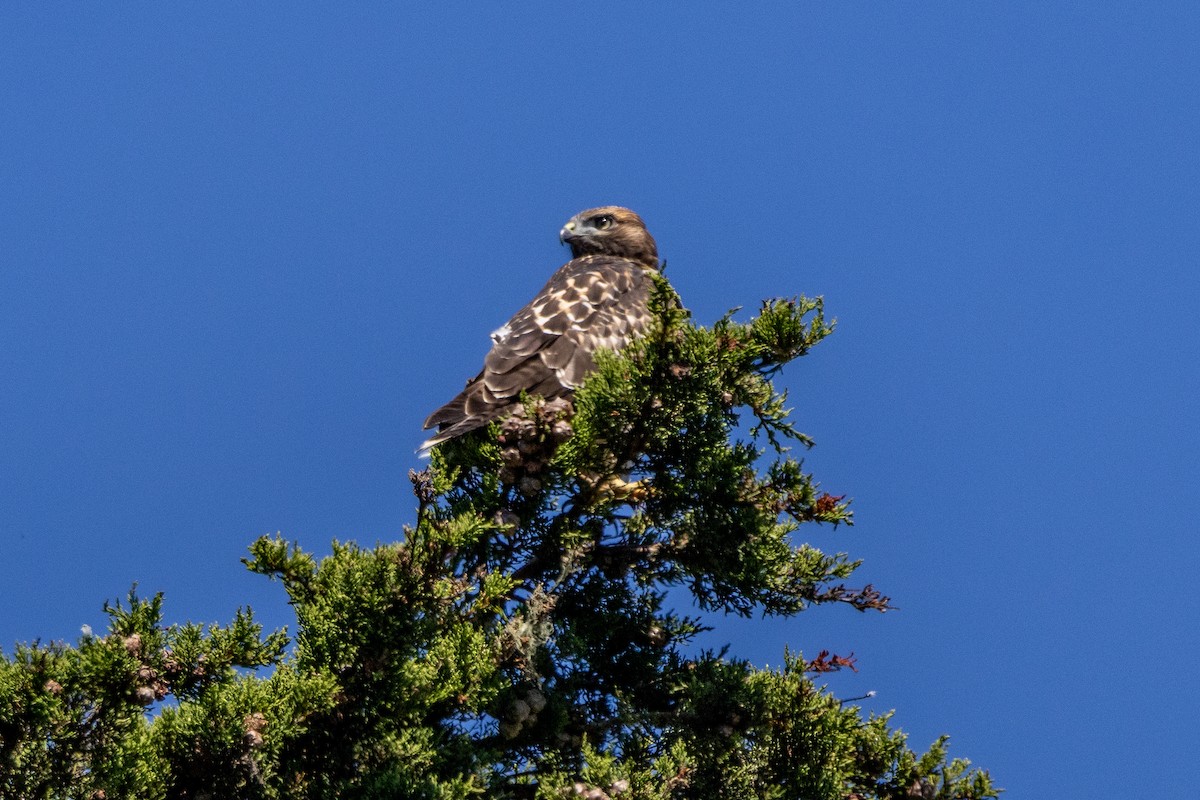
568 233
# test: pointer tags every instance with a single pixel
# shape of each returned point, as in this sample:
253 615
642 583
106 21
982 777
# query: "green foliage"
519 642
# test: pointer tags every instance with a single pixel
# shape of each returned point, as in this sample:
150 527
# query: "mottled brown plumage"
597 300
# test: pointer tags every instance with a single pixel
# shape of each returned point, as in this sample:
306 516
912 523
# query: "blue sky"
246 248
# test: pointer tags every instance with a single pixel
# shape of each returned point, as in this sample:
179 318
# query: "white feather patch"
502 333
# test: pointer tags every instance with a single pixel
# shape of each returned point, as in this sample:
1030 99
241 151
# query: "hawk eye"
603 223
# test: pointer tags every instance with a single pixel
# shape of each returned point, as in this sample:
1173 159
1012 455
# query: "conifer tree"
521 641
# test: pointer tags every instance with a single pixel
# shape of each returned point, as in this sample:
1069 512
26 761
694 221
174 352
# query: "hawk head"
610 230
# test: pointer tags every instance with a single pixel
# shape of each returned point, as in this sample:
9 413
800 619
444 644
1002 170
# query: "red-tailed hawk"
599 299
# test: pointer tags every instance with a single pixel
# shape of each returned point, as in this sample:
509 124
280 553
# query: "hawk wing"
548 347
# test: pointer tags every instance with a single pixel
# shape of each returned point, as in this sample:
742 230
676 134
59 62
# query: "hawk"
598 299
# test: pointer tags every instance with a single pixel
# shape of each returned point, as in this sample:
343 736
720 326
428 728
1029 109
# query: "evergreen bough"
518 643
